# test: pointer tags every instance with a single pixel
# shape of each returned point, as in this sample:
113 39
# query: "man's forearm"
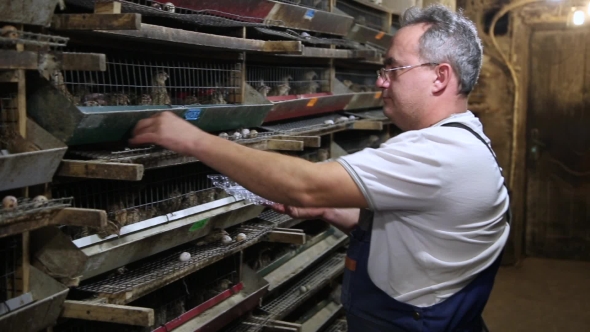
343 219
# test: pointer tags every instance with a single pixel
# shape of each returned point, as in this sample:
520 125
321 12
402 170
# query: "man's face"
406 90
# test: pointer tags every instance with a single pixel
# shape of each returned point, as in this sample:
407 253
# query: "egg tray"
27 209
170 266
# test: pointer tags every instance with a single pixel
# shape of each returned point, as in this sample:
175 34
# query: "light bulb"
579 17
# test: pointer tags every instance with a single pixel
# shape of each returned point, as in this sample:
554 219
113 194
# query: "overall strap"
462 126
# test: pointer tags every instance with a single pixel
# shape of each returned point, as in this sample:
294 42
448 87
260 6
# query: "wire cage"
152 80
10 251
315 4
160 192
284 81
363 15
358 80
8 120
191 291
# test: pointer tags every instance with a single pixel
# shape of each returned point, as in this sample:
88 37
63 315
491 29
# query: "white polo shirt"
439 202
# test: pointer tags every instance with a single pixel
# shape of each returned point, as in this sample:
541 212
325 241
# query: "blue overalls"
369 309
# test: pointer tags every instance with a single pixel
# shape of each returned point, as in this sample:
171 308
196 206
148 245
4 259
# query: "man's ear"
443 75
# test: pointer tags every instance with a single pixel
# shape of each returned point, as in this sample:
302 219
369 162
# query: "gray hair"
451 38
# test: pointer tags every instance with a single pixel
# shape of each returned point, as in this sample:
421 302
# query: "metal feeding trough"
24 169
47 297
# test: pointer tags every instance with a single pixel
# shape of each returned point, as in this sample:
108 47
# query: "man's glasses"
383 73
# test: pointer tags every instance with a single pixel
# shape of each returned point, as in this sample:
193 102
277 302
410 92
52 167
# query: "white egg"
303 289
226 239
224 135
253 133
9 202
329 122
39 201
352 117
185 256
240 237
341 119
245 132
236 135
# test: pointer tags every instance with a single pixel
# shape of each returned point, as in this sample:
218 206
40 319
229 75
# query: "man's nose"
381 83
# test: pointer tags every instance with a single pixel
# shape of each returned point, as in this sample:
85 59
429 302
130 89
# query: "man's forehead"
404 42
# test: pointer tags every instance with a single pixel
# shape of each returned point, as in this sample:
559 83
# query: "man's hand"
169 131
299 212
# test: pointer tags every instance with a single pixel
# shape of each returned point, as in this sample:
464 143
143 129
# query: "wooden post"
110 7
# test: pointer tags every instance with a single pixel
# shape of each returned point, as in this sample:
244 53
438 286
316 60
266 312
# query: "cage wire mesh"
304 125
306 38
339 325
8 120
362 15
130 81
173 300
284 81
358 80
10 251
160 192
206 17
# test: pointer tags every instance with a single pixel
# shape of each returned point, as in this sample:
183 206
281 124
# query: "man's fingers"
143 124
144 138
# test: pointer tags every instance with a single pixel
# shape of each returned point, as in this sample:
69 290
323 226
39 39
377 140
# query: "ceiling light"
579 17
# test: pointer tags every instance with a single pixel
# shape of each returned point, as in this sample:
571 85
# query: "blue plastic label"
309 14
192 114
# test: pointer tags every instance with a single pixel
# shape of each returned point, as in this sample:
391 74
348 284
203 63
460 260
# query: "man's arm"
283 179
343 219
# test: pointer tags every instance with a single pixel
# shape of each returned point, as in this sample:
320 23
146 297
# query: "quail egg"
341 119
9 202
302 289
39 201
253 133
236 135
329 122
226 239
224 135
245 132
240 237
352 117
185 256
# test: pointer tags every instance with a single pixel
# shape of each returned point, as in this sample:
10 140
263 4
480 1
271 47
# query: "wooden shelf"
164 35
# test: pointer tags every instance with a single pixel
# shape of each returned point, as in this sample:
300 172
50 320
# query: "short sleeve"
405 173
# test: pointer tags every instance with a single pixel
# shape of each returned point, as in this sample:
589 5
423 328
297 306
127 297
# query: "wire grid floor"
29 209
274 217
339 325
315 4
294 296
198 17
373 114
303 125
151 155
293 35
200 257
34 39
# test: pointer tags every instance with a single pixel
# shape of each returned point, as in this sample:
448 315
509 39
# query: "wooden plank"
284 145
110 313
155 33
110 7
308 141
126 21
286 237
367 125
100 170
283 46
84 61
12 59
81 217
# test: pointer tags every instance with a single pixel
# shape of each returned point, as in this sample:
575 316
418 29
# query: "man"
427 239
